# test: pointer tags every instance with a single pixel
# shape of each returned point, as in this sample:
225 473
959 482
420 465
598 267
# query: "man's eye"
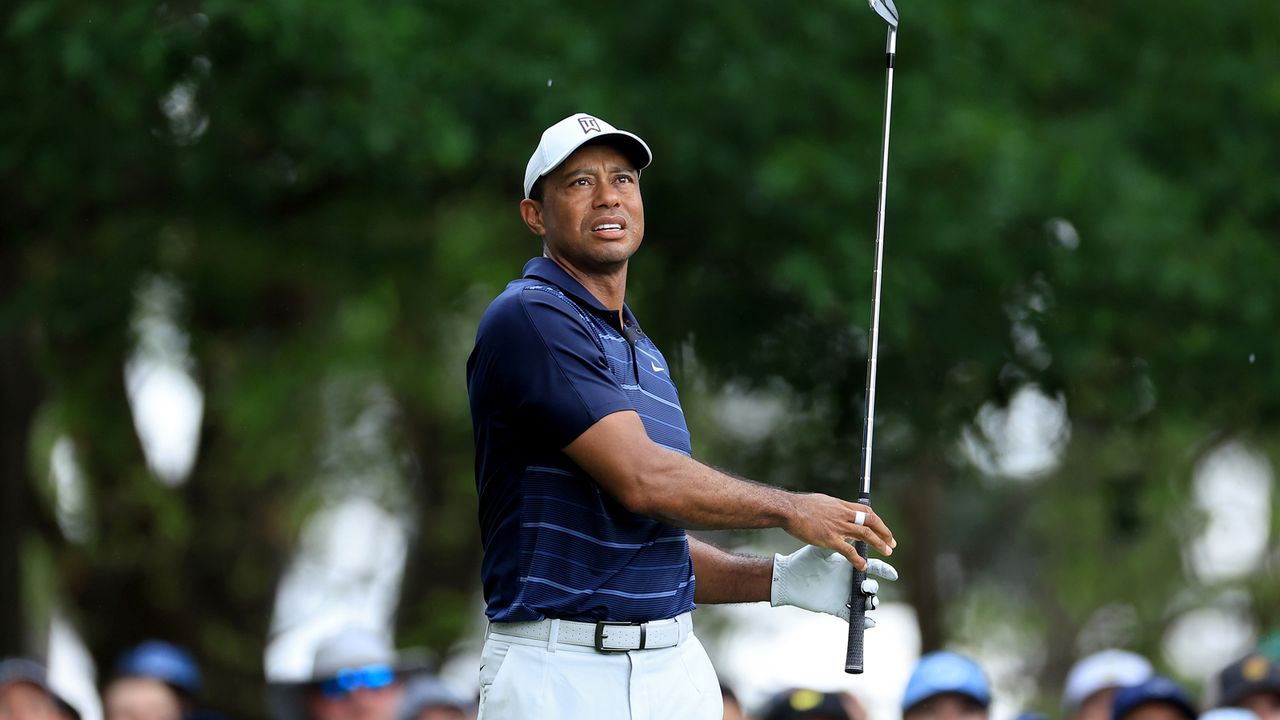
581 182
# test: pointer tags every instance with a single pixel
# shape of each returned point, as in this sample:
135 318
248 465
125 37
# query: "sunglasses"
349 680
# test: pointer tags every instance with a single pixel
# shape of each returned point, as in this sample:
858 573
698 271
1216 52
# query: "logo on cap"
588 124
1255 668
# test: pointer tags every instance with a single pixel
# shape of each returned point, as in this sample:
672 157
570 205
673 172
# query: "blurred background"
244 247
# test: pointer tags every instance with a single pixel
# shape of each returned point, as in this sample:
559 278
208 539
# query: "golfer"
586 480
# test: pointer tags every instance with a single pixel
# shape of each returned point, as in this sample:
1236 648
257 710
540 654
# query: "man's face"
1266 705
732 710
948 706
441 712
1096 707
140 699
1155 711
360 704
591 217
23 701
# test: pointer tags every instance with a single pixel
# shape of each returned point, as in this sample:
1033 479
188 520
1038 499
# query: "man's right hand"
832 523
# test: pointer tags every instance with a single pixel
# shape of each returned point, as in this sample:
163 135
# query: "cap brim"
984 702
1245 689
402 668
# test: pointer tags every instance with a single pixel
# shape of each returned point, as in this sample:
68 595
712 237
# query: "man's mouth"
604 227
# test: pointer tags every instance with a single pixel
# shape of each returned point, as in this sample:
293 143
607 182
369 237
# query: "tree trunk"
920 500
20 390
20 395
442 568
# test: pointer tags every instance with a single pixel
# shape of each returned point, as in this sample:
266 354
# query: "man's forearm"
692 495
651 480
648 479
725 577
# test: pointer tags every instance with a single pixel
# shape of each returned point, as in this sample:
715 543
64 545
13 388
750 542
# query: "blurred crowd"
358 675
1109 685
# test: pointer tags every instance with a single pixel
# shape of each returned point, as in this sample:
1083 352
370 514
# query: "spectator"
853 707
356 675
25 693
1156 698
1252 683
427 698
1092 682
803 704
153 681
946 686
732 708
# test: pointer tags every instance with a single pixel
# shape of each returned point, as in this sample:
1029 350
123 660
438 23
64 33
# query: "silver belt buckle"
601 636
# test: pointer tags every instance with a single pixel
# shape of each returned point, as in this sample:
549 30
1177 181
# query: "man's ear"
531 213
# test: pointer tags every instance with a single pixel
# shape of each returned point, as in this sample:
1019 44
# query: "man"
356 675
1156 698
1092 682
25 693
585 478
732 706
804 704
154 681
426 697
946 686
1252 683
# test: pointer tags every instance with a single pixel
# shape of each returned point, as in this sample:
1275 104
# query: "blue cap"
1157 688
946 672
163 661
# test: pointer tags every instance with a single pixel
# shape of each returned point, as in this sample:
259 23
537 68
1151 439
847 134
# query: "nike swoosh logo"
655 367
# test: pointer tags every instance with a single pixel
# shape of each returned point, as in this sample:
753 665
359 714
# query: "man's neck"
609 287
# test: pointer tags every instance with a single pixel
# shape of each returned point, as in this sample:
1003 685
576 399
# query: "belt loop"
553 637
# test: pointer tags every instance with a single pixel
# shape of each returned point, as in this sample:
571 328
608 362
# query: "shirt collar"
544 268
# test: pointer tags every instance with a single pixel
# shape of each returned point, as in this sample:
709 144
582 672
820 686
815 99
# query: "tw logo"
588 124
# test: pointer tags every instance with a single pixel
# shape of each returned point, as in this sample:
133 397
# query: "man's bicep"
616 452
554 370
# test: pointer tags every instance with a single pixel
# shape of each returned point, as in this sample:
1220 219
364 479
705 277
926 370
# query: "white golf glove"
818 579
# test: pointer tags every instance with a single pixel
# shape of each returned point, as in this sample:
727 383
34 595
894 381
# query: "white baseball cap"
1102 670
560 140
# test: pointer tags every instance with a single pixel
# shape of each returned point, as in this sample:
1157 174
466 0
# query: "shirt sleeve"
553 375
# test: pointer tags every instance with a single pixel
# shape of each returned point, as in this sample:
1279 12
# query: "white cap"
352 648
1102 670
560 140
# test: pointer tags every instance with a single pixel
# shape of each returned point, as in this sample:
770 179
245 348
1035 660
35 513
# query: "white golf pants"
522 679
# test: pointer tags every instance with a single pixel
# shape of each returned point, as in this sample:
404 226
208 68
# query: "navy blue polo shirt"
549 362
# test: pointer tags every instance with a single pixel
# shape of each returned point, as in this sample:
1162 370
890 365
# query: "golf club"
853 662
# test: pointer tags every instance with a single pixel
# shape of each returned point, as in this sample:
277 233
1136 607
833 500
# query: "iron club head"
886 10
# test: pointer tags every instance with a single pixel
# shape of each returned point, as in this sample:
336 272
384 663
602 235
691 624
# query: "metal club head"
886 10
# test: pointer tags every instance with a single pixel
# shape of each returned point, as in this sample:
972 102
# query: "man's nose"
607 195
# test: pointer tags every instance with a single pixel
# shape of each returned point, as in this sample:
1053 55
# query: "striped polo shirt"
548 363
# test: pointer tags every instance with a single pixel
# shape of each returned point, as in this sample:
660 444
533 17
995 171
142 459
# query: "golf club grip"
857 610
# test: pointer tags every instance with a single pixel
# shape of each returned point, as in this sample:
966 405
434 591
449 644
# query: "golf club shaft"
854 656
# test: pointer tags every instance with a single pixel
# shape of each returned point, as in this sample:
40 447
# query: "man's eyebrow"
588 170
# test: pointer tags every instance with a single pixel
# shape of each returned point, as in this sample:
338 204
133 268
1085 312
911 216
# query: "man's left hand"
819 579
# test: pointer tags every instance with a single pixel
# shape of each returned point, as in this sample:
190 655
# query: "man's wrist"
775 582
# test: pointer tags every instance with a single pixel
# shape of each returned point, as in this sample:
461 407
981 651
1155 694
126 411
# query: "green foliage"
1082 197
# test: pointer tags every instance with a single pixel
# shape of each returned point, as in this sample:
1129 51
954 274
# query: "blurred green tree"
1082 203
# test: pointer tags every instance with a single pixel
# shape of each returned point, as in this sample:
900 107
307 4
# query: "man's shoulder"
528 300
